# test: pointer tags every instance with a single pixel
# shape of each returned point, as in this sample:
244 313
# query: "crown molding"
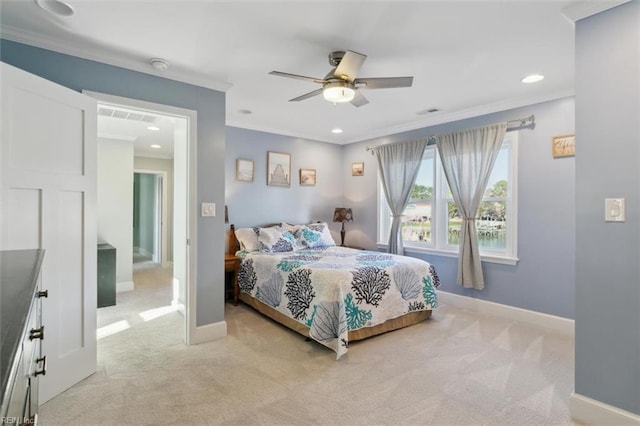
583 9
115 59
440 118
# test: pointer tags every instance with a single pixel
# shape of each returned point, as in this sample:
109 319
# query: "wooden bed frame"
406 320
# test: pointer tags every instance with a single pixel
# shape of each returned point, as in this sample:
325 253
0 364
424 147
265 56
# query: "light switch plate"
208 209
614 210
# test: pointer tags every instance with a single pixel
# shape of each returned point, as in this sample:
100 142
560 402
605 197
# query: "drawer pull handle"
43 293
42 360
37 333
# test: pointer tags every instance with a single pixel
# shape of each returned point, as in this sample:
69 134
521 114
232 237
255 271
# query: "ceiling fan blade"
349 66
359 100
306 96
298 77
383 82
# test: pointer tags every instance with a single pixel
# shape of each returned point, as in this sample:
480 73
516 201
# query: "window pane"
492 225
454 223
498 182
416 224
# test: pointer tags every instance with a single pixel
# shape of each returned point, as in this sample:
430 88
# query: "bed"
297 276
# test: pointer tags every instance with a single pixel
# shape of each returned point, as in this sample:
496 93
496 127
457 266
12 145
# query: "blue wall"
80 74
255 203
544 278
608 166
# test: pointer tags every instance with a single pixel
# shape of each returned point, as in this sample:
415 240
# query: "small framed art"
244 170
278 169
357 168
563 146
307 177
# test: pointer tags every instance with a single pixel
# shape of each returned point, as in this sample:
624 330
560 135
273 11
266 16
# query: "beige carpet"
458 368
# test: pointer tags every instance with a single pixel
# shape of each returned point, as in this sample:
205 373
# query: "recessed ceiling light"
156 146
336 131
154 128
56 7
533 78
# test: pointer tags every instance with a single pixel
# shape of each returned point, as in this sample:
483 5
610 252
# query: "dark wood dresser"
21 360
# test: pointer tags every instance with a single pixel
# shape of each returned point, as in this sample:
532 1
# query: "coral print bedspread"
335 289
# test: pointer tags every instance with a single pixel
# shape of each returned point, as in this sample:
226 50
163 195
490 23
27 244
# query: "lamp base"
342 233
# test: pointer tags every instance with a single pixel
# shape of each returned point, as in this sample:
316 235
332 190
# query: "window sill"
503 260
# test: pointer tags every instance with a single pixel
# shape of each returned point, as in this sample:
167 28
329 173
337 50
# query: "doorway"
152 217
164 193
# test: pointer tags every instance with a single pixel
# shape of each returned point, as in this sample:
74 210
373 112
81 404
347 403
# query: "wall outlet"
208 209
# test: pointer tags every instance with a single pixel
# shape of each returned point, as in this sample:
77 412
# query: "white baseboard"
595 413
179 306
124 286
207 333
144 252
562 325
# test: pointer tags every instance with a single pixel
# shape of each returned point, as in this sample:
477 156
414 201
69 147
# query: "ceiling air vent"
428 111
125 114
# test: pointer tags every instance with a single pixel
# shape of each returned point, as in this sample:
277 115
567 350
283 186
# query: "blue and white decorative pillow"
275 240
315 235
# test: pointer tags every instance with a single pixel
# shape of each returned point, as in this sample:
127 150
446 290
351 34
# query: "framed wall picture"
244 170
563 146
307 177
357 168
278 169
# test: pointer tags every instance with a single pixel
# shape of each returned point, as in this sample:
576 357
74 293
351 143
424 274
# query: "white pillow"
248 238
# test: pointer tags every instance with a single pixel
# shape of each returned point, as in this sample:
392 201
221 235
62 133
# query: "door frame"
162 213
191 117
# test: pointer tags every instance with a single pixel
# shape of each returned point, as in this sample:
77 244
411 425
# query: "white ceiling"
152 134
467 57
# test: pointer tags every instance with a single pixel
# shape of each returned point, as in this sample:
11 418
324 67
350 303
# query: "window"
431 222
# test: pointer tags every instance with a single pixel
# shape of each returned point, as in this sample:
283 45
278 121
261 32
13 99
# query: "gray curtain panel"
467 159
398 164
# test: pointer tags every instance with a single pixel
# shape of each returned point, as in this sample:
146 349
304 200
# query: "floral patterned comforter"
335 289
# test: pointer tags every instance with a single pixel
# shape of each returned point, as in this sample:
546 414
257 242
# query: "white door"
48 200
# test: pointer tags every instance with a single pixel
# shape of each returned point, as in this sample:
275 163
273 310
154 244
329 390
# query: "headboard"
234 246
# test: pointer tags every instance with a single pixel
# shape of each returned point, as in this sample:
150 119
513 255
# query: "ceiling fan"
341 84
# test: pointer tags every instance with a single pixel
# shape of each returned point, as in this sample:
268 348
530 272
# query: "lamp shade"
342 214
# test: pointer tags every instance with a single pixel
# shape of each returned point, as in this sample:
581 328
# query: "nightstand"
232 264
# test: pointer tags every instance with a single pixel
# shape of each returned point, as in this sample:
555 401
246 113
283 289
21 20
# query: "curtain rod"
518 124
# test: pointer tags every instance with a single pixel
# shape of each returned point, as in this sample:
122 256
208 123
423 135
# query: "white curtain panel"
398 164
467 158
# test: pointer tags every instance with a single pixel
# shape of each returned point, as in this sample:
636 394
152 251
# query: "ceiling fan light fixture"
338 92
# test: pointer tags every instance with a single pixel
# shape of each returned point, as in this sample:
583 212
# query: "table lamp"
342 214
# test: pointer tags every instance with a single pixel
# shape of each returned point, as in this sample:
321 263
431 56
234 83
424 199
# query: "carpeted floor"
458 368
